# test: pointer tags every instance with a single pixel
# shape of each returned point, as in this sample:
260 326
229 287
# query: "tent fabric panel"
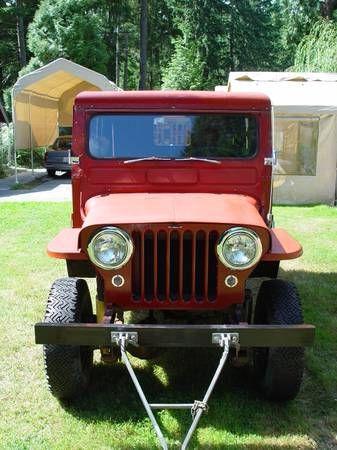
42 100
292 189
66 102
294 96
53 85
68 67
283 76
35 121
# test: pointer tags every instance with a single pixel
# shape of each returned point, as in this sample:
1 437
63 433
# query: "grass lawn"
110 415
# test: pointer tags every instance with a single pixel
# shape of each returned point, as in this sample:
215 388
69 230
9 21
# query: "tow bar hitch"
198 407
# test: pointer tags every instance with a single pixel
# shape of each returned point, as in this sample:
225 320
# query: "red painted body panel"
145 208
65 245
152 100
283 246
92 177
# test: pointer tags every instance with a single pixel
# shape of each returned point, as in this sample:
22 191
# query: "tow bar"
242 335
223 340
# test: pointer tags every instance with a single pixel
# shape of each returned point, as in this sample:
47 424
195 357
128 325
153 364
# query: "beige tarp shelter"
305 131
43 100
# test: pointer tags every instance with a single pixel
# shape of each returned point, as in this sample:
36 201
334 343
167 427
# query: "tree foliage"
219 36
73 30
317 52
190 44
12 11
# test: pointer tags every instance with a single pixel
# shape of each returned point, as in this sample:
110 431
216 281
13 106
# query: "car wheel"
51 172
68 367
278 370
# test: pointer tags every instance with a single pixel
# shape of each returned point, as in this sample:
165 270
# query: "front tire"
68 367
278 370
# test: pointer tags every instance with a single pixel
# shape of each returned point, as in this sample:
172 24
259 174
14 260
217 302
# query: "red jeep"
172 216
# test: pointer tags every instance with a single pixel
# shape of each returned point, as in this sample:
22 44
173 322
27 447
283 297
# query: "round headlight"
239 248
110 248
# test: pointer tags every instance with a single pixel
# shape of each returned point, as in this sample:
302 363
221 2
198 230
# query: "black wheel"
278 370
68 367
51 172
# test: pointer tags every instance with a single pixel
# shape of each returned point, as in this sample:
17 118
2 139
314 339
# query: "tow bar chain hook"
198 405
223 339
117 338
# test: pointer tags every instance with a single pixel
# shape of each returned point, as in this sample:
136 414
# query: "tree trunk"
143 44
126 61
117 55
20 29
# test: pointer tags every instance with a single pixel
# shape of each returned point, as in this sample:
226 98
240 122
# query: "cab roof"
170 100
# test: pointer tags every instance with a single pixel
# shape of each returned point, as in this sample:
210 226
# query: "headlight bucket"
111 248
239 248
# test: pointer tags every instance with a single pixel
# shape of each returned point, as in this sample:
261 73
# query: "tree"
196 61
317 52
294 19
14 18
20 27
74 30
252 40
143 45
161 31
217 36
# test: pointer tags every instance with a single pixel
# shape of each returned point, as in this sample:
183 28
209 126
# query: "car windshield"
172 136
62 144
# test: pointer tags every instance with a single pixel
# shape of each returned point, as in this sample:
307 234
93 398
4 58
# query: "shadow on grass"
236 407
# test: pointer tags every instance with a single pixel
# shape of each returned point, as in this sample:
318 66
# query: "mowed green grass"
110 415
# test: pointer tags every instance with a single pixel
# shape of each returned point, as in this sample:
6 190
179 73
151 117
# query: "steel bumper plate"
174 335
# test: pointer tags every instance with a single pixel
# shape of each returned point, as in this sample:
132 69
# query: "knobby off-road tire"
278 370
68 367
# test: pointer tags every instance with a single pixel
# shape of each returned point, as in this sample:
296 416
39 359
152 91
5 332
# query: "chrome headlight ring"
110 233
244 233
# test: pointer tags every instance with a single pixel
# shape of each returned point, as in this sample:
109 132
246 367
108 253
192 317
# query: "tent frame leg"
223 340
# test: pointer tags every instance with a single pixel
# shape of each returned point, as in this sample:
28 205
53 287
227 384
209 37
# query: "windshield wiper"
192 158
149 158
157 158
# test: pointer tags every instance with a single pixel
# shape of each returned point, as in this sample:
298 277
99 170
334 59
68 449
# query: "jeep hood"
118 209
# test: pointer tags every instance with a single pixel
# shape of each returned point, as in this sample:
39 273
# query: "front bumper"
102 335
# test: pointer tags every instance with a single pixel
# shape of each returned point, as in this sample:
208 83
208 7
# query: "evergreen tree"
219 36
294 18
196 61
74 30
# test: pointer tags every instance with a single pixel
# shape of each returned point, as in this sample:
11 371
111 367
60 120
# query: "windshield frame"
167 159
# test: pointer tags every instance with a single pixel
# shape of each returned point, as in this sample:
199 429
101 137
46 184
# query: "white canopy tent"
305 131
43 100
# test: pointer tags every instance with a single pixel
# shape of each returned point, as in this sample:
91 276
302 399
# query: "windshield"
172 136
62 144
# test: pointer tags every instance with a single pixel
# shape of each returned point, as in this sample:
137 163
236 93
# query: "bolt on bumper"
100 335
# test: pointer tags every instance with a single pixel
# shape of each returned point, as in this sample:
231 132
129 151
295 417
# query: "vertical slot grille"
174 266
